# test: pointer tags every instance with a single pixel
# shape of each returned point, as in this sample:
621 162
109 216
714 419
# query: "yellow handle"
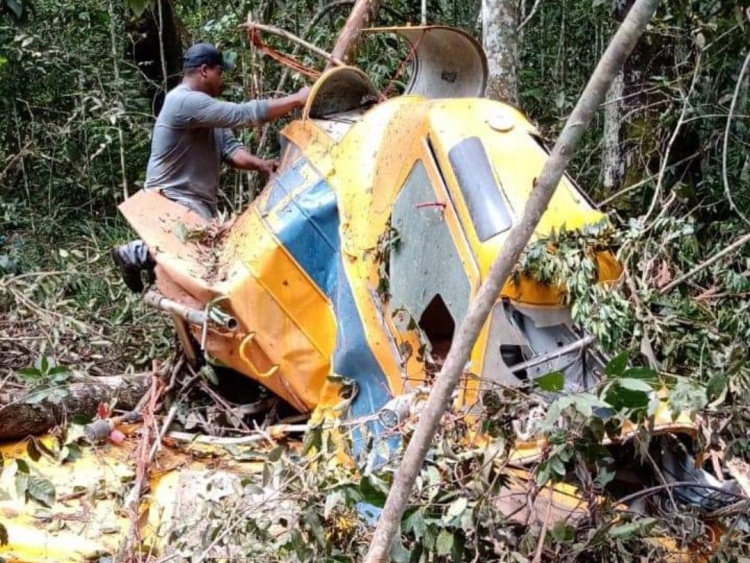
246 358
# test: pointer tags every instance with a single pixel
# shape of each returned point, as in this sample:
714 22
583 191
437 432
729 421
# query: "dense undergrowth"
74 138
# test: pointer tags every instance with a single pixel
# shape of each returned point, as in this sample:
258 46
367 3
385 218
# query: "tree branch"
363 13
705 264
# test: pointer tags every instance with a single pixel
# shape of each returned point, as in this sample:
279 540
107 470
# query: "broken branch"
705 264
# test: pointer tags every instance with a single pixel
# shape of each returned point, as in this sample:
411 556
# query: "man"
191 137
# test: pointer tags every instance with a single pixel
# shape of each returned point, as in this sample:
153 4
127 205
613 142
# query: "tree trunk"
613 158
24 416
500 42
364 12
155 47
609 66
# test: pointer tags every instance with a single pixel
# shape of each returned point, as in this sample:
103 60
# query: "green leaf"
3 535
44 363
230 58
275 454
557 466
313 440
716 386
632 528
562 532
617 365
646 374
140 6
81 419
634 385
444 543
70 452
30 373
415 523
456 509
552 382
16 7
23 467
209 374
370 492
604 477
41 490
398 553
316 527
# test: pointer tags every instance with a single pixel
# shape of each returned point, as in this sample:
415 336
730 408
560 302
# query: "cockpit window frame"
488 208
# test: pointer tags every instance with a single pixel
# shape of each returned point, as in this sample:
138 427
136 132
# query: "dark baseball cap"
205 54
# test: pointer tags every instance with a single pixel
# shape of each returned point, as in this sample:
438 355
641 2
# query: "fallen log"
37 411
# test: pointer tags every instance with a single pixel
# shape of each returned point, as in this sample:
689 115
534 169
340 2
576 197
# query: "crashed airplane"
341 287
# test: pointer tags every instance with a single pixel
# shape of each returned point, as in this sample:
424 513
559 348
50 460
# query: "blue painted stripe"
308 226
309 229
283 184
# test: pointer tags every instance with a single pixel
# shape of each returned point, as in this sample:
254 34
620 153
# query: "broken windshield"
487 207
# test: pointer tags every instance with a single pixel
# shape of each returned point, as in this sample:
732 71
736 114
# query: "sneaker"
129 272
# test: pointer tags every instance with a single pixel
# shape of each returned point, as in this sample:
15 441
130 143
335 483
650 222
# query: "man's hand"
302 95
268 167
282 106
243 160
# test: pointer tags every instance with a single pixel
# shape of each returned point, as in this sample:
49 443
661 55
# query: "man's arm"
282 106
201 110
243 160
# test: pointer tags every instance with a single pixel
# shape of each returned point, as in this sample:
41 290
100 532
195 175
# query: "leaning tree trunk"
363 13
440 395
500 42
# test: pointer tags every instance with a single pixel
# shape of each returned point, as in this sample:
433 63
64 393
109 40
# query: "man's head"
203 65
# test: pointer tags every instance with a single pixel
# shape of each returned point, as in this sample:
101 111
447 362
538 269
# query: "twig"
643 182
732 107
218 399
545 524
250 26
226 441
680 121
132 501
527 19
669 486
703 265
162 57
165 425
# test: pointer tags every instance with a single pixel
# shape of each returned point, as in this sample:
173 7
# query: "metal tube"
194 316
572 347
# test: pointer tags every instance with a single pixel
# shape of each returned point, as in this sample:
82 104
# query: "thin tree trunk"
116 68
613 158
500 42
610 64
363 13
25 416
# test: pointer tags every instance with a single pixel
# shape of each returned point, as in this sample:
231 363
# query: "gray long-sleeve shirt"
191 137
